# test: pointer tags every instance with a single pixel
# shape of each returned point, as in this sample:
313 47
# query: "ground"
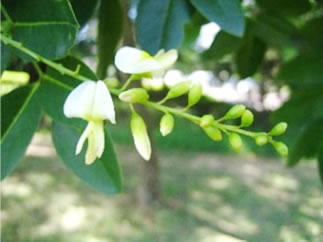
205 197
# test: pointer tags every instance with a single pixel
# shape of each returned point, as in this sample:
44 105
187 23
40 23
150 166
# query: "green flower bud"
134 95
194 94
235 141
261 139
235 112
206 120
278 129
178 90
166 124
281 148
246 118
213 132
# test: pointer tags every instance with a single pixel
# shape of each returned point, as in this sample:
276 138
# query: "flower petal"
90 155
103 107
134 61
82 139
140 136
98 134
79 102
167 59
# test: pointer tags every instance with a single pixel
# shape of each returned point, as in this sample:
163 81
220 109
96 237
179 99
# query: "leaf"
286 7
47 27
160 24
20 118
223 44
249 56
5 57
226 13
307 142
275 30
103 175
83 10
305 69
55 89
109 33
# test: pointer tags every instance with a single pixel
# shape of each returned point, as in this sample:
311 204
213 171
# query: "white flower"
134 61
91 101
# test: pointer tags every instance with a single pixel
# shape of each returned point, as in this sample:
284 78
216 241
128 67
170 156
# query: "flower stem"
126 84
5 14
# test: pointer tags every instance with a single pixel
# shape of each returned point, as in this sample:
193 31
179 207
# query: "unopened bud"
178 90
166 124
206 120
246 118
261 139
134 95
281 148
194 94
235 141
235 112
213 132
140 135
278 129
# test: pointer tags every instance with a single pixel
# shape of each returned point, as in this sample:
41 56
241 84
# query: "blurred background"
193 189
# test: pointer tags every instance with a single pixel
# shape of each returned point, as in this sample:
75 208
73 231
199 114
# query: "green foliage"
103 175
286 7
48 27
21 119
83 10
5 57
223 44
249 56
226 13
109 33
165 31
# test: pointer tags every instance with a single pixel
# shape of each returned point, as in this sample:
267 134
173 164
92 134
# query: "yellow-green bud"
194 94
111 82
261 139
134 95
213 132
246 118
140 135
178 90
281 148
235 112
235 141
206 120
278 129
166 124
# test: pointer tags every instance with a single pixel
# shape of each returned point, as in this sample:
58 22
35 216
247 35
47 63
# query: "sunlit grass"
205 197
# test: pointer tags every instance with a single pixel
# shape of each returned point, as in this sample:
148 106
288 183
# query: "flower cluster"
92 102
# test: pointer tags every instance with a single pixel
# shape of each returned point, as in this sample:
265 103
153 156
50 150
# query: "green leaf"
226 13
20 119
103 175
5 57
275 30
223 44
249 56
160 24
55 89
109 34
286 7
83 10
307 142
305 69
47 27
312 33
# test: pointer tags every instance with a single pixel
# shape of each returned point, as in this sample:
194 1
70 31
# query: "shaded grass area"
205 197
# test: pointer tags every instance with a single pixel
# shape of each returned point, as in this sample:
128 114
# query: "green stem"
5 14
56 66
126 84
